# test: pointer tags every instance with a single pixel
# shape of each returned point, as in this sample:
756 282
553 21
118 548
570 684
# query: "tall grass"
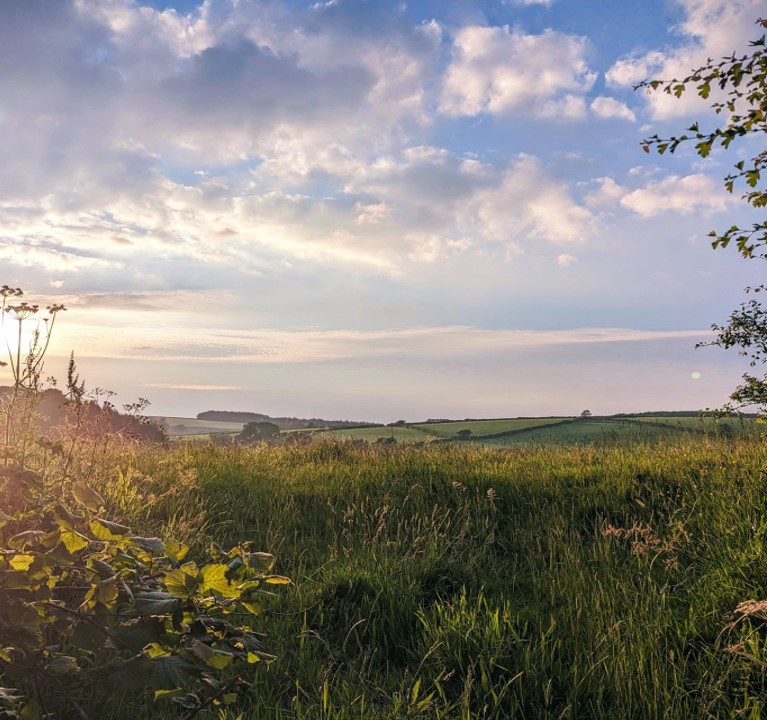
467 582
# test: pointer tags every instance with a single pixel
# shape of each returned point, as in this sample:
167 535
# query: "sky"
372 210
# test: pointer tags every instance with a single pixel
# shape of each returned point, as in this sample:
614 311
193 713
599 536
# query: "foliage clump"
84 601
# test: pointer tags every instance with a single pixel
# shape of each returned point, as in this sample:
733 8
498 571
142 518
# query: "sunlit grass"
468 582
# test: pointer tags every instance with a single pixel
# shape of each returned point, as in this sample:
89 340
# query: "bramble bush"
88 606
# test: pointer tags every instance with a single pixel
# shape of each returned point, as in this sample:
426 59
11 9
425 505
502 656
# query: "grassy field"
372 434
500 432
484 427
181 426
702 423
462 581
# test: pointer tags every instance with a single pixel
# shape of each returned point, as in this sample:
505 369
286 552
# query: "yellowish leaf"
107 530
175 550
214 579
184 581
22 563
277 580
73 541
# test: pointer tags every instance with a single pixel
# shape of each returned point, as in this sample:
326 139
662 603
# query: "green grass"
463 581
485 427
703 423
372 434
500 432
180 426
585 431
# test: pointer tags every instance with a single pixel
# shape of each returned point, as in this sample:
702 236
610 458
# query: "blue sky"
368 209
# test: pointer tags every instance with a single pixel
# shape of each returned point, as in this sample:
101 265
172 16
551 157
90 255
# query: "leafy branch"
741 79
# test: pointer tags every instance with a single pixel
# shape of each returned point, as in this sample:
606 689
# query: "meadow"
548 431
459 580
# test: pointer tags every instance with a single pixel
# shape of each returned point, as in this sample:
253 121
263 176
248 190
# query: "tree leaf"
184 581
217 659
28 537
176 551
87 496
277 580
63 665
22 562
108 530
214 579
153 545
73 541
154 603
169 673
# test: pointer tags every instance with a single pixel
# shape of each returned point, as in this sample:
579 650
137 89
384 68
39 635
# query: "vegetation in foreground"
461 581
442 580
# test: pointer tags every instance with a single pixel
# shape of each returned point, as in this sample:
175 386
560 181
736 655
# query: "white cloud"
570 107
499 71
264 346
711 29
608 107
686 195
607 194
565 260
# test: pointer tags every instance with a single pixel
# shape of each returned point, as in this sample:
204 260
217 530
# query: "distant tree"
463 434
586 414
255 432
740 92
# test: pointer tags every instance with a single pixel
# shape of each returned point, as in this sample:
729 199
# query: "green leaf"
184 581
73 541
217 659
176 551
122 676
64 519
63 665
87 496
87 637
169 673
252 607
102 569
214 579
104 591
108 530
154 546
28 537
155 650
277 580
155 603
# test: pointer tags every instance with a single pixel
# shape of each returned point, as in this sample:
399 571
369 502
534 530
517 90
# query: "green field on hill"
373 434
497 432
181 426
484 427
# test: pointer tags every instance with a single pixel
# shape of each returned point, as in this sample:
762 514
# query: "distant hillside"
57 415
284 423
